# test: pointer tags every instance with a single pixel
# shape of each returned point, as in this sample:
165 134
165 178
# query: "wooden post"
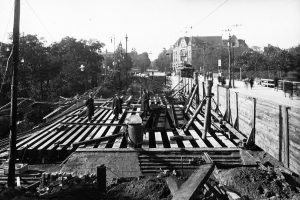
280 135
218 100
197 92
190 101
101 178
286 137
227 116
207 122
203 89
236 123
195 114
251 138
14 89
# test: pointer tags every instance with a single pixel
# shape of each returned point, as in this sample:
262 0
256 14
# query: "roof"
200 40
208 40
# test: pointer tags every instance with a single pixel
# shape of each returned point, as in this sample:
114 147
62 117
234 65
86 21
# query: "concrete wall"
277 126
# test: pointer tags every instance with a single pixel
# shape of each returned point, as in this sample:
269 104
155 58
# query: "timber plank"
198 140
195 181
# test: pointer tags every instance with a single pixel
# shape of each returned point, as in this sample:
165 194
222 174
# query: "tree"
140 61
73 53
163 62
251 60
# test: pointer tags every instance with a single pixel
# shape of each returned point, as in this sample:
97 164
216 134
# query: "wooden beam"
182 137
251 138
286 137
195 114
195 88
92 124
179 90
197 180
93 141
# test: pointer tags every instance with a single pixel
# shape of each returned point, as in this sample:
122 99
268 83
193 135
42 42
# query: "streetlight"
82 68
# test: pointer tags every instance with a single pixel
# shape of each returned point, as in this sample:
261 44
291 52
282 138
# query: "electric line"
8 22
39 19
212 12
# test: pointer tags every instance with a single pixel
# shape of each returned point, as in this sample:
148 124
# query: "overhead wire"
209 14
40 20
8 22
4 76
212 12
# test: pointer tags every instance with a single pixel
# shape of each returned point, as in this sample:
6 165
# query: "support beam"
236 123
251 138
207 122
92 124
197 91
286 137
195 88
179 90
181 137
93 141
195 114
188 189
203 90
176 85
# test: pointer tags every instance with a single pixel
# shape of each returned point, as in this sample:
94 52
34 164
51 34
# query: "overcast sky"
152 25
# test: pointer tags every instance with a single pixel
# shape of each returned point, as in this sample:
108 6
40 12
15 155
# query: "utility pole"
126 60
229 61
14 87
126 43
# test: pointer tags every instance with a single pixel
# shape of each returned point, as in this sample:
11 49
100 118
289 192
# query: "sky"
152 25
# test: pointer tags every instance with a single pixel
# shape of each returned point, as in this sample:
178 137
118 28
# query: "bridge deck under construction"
55 140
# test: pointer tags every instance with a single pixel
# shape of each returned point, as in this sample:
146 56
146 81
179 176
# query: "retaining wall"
277 127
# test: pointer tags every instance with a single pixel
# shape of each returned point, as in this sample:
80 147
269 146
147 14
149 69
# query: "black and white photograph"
149 99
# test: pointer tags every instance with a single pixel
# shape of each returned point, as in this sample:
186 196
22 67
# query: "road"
257 91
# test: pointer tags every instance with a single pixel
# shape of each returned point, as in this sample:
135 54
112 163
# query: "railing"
288 87
291 87
267 82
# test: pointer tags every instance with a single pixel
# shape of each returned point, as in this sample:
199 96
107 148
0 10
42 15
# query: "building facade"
196 51
203 52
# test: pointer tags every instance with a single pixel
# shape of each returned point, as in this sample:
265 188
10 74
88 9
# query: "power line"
212 12
39 19
8 22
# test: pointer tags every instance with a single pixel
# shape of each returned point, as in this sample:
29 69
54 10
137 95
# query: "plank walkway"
59 135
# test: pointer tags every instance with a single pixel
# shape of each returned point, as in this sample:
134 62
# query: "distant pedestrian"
117 106
246 81
251 81
276 83
90 107
145 102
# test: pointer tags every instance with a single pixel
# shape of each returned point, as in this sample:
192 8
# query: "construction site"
78 121
193 143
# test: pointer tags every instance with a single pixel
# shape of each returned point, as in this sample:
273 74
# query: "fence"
276 127
288 87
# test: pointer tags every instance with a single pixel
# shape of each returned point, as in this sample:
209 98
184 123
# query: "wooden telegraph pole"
14 88
229 62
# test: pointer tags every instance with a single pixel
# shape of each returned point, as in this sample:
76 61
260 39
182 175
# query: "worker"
117 106
90 107
145 102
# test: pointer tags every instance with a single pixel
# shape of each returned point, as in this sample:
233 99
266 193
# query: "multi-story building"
195 51
203 52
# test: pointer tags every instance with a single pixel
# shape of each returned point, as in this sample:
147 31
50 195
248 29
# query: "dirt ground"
133 189
267 181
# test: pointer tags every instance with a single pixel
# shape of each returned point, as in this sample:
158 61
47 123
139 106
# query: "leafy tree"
140 61
163 62
251 60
